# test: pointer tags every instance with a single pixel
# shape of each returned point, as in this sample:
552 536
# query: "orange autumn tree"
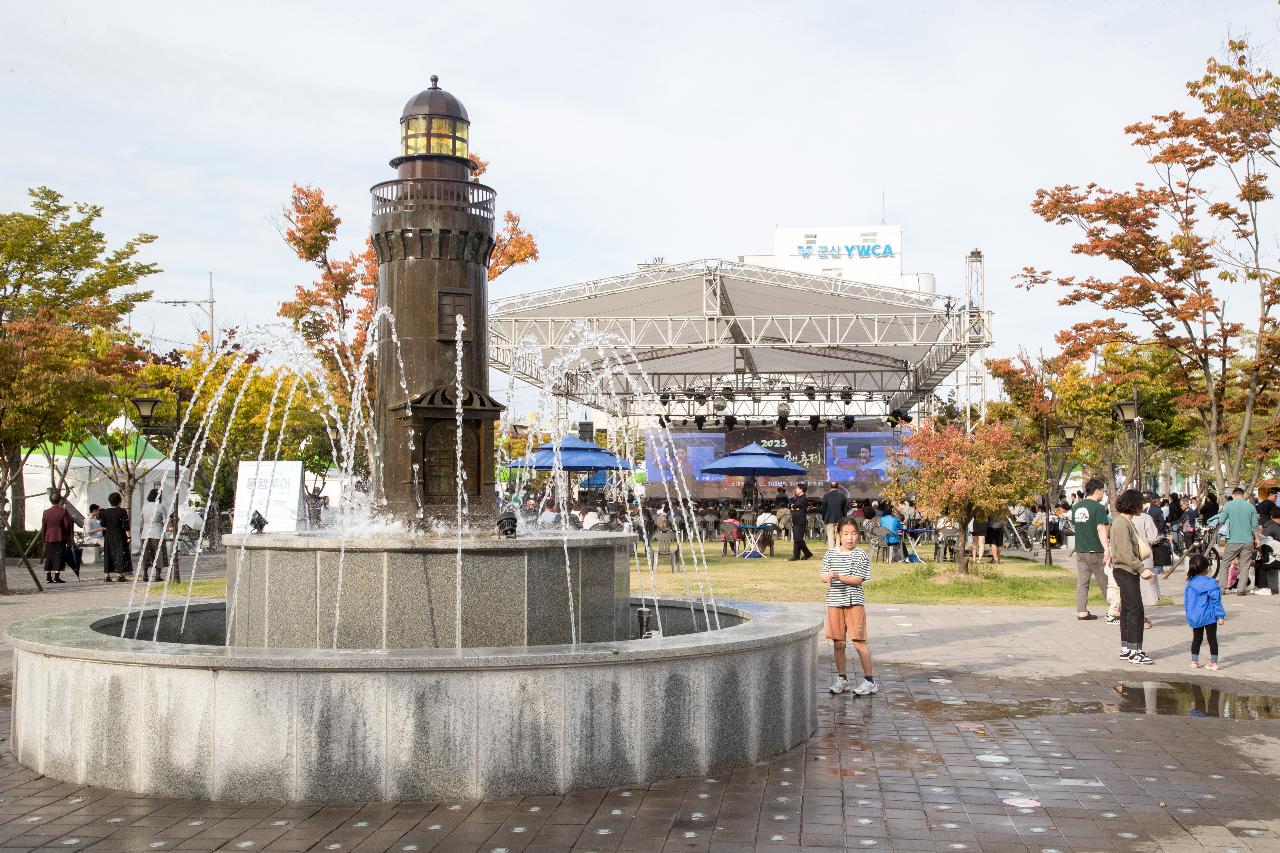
332 312
950 472
512 245
1182 247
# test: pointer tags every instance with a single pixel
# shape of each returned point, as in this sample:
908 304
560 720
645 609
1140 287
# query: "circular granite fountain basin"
202 720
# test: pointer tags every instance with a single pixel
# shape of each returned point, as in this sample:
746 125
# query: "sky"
619 132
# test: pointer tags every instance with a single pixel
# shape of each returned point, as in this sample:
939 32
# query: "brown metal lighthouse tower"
433 234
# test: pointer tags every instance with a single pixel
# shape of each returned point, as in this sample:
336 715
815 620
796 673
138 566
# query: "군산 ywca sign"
850 252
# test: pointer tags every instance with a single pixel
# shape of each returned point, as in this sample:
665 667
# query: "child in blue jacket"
1202 599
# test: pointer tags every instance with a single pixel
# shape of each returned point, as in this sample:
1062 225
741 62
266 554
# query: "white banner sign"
273 489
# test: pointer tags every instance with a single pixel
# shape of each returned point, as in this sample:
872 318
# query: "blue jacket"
1202 599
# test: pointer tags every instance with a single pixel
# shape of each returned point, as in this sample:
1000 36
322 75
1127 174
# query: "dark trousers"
800 549
155 554
1131 612
1198 634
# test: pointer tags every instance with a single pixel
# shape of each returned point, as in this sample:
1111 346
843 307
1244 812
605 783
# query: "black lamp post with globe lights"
1129 412
1053 478
146 407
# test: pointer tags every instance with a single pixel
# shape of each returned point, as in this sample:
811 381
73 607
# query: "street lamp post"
146 407
1128 411
1054 479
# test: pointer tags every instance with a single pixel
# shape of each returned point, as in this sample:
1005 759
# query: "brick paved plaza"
998 729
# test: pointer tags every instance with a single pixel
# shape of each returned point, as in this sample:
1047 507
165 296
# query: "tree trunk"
19 510
962 545
4 533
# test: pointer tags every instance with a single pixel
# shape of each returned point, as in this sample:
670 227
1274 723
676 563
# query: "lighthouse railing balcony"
409 194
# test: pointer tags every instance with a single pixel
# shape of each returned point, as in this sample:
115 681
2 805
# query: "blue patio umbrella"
754 461
575 454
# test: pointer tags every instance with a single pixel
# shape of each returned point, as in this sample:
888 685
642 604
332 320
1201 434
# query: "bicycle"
1205 544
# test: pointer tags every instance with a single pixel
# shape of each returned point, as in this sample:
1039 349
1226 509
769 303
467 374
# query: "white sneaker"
866 688
839 684
1113 620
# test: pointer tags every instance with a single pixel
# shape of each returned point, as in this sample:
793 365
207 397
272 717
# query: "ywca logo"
860 250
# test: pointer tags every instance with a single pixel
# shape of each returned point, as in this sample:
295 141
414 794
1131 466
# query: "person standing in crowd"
57 532
799 519
1202 601
154 555
1127 556
1149 532
845 568
995 535
116 540
835 506
1092 544
1243 536
1266 506
979 536
1208 508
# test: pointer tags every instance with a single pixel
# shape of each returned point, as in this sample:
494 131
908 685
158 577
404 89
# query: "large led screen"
856 460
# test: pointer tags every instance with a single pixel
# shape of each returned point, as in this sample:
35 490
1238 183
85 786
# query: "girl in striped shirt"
845 568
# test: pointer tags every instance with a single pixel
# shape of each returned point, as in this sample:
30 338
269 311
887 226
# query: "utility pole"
208 303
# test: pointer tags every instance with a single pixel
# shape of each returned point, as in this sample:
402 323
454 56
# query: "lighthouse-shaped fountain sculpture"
430 587
433 234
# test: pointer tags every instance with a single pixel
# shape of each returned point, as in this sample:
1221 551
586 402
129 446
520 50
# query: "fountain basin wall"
400 593
212 722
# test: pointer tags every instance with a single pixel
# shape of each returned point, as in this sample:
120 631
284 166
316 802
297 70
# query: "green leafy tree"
63 294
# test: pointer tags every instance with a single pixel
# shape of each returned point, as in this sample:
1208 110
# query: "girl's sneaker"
839 684
1141 657
866 688
1213 666
1124 653
1113 620
1195 665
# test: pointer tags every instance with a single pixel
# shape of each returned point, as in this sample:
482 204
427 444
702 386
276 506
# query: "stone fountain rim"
408 544
72 635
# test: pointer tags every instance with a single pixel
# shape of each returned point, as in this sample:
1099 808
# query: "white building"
871 254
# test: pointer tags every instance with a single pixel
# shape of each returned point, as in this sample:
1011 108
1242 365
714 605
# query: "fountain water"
410 652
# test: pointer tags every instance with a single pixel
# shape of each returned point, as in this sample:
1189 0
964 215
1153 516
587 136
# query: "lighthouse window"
431 135
451 305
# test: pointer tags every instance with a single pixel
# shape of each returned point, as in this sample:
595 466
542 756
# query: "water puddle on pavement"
1161 698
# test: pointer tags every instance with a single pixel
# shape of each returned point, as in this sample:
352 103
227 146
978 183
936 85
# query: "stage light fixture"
727 391
699 421
729 422
810 392
848 422
814 422
786 393
846 394
684 422
663 420
782 421
664 398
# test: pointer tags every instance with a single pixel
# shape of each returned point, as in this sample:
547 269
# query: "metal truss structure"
718 337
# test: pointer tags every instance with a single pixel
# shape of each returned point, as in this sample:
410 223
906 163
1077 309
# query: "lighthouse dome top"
435 102
434 124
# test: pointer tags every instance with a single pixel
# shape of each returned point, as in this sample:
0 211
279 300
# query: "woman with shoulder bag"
1129 553
1161 555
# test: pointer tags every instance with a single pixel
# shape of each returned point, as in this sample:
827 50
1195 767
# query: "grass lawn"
1014 581
203 588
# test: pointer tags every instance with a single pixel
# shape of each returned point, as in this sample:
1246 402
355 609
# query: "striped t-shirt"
856 563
